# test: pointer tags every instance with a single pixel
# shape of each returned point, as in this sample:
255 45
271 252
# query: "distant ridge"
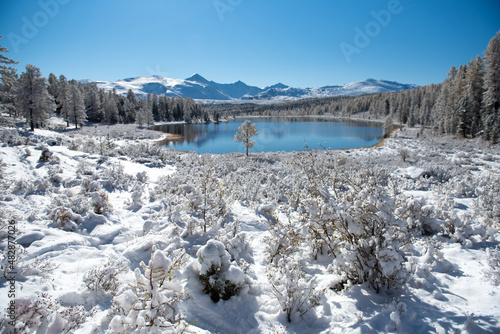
197 87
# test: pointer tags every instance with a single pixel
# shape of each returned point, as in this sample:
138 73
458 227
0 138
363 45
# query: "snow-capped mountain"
197 87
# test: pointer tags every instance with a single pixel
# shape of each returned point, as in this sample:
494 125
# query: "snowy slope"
197 87
446 195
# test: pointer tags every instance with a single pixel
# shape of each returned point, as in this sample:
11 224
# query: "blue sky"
261 42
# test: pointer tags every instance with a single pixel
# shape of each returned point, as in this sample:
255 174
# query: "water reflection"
276 134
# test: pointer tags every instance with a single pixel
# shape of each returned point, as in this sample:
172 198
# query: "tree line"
467 103
36 98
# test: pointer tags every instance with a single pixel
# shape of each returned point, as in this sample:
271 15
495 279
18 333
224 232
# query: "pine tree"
53 85
246 131
4 61
93 103
62 94
387 126
32 99
443 107
491 97
8 81
144 116
155 107
110 109
75 106
474 96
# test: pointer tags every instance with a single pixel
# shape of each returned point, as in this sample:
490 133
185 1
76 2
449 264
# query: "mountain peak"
279 85
197 78
197 87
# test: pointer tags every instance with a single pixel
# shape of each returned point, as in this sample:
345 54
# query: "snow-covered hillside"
107 232
197 87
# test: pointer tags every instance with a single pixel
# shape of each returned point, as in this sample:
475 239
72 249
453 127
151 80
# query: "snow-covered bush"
284 240
54 172
46 155
415 213
64 219
11 137
220 277
492 272
45 315
352 216
153 303
136 197
488 202
295 290
100 202
84 168
235 242
103 280
115 178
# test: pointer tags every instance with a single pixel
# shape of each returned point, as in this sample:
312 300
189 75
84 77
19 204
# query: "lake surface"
276 134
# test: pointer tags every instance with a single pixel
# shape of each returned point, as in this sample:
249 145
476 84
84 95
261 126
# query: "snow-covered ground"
250 233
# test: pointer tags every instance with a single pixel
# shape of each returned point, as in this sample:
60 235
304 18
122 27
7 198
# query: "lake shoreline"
277 131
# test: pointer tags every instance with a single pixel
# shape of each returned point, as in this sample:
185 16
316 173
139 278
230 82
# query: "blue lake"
276 134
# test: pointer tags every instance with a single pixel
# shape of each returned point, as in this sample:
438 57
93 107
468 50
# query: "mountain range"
197 87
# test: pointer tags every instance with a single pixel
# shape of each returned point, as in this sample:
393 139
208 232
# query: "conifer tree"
244 134
62 94
470 112
93 103
32 99
75 105
110 109
5 62
491 98
8 81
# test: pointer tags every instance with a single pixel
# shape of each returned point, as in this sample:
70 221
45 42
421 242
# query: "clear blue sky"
261 42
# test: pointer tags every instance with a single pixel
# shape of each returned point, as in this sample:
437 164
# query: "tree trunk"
32 124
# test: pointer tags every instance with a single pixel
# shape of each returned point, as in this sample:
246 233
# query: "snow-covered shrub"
54 173
46 155
115 177
153 303
136 197
10 137
12 256
284 240
488 201
235 242
404 154
397 310
103 280
106 146
220 277
45 315
142 177
492 272
295 290
84 168
100 202
354 219
64 219
415 213
89 185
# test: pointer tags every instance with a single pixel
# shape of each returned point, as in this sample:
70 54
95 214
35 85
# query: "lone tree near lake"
246 131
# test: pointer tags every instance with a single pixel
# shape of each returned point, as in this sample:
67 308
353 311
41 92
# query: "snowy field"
108 232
